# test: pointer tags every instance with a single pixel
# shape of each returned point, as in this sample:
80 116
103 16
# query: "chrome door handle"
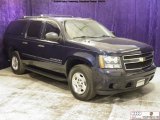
42 46
25 43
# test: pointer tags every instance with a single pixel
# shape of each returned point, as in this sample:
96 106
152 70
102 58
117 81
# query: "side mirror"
52 36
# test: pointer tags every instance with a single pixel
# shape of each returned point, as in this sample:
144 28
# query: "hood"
117 45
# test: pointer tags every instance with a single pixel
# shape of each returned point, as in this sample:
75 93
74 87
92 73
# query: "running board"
49 75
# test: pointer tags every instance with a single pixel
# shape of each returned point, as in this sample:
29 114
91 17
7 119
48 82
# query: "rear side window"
16 27
34 29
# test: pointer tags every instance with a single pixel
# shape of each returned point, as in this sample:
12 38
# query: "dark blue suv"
80 51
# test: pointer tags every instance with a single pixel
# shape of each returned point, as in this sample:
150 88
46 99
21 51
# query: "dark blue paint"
136 19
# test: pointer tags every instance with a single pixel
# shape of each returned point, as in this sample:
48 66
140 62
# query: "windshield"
86 29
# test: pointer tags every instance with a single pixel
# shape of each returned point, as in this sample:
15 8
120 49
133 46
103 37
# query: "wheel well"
10 50
72 63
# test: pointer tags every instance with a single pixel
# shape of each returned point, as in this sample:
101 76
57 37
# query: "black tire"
89 92
20 66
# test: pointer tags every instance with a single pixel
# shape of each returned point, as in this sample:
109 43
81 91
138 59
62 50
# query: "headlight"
109 62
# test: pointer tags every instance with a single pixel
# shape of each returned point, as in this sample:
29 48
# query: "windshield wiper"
84 37
105 36
92 36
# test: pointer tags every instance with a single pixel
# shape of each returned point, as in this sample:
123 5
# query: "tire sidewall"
20 69
89 82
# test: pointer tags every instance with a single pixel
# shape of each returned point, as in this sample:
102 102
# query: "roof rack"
46 16
51 15
33 17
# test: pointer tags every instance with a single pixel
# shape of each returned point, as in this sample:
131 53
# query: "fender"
83 56
80 58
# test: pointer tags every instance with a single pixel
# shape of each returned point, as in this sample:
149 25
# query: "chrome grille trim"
131 61
135 59
138 54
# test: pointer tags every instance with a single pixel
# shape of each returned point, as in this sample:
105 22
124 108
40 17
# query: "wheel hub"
79 83
15 63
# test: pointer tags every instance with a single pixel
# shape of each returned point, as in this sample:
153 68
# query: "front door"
51 52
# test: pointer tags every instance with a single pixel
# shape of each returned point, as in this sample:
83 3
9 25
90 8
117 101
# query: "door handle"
42 46
25 43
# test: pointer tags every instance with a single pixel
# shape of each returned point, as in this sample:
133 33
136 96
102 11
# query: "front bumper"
113 81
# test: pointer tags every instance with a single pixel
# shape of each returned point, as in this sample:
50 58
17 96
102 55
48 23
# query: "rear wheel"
16 64
81 82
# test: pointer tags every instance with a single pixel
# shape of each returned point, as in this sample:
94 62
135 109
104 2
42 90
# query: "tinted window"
34 29
16 27
51 28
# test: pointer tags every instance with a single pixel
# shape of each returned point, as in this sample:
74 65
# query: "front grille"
138 61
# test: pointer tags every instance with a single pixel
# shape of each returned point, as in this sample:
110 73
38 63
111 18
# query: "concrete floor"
33 97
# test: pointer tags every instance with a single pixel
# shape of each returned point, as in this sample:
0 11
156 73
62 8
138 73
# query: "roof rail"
47 15
52 15
33 17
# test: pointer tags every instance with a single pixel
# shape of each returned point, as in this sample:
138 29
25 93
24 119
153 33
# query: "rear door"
30 43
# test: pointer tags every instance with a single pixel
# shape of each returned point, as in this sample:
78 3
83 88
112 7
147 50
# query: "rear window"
16 27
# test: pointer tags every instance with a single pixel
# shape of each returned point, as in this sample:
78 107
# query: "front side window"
34 29
86 28
51 28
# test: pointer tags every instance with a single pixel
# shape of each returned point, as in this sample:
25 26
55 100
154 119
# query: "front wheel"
81 82
16 64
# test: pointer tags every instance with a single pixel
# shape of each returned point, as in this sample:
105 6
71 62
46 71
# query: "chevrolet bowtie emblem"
141 59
